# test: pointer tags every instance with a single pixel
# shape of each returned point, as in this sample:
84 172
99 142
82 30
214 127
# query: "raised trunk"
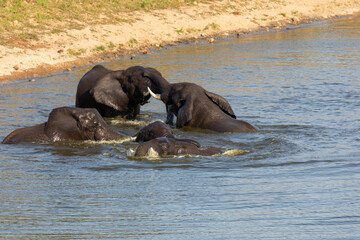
160 85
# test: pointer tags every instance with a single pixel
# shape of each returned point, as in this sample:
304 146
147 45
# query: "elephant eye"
147 80
182 102
164 146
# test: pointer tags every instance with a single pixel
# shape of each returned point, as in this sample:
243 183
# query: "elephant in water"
158 138
154 130
197 108
66 124
116 93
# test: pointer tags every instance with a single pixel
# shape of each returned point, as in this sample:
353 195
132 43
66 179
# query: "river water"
297 178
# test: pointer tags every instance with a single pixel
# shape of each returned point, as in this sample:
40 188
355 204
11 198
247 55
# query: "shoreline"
155 30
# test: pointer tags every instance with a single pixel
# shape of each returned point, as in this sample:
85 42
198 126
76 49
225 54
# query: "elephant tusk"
154 95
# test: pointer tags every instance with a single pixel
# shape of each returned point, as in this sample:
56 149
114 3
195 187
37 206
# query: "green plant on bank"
16 16
100 48
111 45
28 36
212 26
57 30
192 30
133 42
76 52
179 31
231 6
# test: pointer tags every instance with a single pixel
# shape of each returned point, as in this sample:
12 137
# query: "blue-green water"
298 178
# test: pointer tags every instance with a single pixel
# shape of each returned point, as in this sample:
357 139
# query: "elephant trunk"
105 133
161 88
163 96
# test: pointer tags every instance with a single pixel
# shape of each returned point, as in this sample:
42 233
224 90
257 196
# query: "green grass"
180 31
100 48
28 36
192 30
111 45
76 52
213 26
133 42
47 15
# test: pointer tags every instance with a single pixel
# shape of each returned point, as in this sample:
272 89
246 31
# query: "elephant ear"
108 91
223 104
61 124
185 112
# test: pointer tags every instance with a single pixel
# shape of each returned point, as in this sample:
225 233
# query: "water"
298 178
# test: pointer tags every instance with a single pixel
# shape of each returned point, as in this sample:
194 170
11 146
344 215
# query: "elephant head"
195 107
154 130
158 138
164 146
158 129
66 124
117 93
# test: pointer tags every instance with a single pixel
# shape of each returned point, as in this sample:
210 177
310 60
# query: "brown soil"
148 31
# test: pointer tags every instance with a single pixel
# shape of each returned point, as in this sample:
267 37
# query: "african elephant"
65 124
197 108
158 137
164 146
154 130
116 93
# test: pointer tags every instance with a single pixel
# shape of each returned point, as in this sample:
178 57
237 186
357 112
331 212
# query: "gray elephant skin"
116 93
66 124
154 130
197 108
159 137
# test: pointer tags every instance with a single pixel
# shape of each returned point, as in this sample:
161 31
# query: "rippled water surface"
297 178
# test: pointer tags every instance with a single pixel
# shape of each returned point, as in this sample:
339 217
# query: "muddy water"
298 178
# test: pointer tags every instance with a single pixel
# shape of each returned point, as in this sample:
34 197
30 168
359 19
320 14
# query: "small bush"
100 48
28 36
76 53
212 26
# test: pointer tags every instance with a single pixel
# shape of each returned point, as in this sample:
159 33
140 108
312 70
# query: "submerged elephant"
116 93
195 107
158 138
164 146
65 124
154 130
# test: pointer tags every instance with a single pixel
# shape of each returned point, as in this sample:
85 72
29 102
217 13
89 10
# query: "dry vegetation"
27 19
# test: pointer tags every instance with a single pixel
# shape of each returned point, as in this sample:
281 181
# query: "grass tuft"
180 31
100 48
28 36
76 53
211 26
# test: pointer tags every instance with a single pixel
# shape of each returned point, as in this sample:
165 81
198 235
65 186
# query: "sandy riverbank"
146 31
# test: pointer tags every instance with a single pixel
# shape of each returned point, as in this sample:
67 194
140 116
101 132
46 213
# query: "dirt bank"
145 31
